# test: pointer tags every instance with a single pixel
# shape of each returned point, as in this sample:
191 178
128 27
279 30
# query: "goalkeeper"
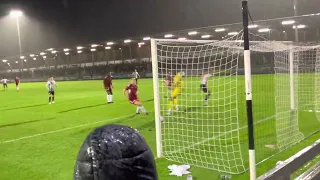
177 85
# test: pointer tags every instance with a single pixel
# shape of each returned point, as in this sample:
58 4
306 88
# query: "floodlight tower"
17 14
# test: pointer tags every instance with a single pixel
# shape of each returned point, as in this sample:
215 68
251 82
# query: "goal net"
202 121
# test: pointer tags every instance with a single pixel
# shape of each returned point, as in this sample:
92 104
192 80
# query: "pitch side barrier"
284 170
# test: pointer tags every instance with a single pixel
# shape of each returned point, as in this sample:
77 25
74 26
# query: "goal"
214 135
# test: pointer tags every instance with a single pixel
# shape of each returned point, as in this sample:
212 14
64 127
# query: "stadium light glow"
53 52
44 57
42 53
4 60
94 45
251 26
34 59
107 47
25 60
31 55
232 33
264 30
146 38
220 29
127 41
51 49
182 38
141 43
287 22
66 50
79 47
8 64
79 52
92 50
16 62
16 13
192 33
284 31
110 43
300 26
66 53
206 36
168 36
21 57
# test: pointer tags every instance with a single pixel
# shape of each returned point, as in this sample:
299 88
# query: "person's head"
133 81
115 152
51 78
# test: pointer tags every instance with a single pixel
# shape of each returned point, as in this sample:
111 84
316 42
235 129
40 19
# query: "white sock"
138 109
143 109
110 98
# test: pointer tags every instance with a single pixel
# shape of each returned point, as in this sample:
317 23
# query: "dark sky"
54 23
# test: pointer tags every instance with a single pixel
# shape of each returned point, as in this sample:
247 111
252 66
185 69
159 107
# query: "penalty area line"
63 129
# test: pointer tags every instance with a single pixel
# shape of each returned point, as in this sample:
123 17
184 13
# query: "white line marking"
215 137
59 130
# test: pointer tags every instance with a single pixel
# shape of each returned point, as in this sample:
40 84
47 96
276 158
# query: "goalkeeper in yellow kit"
177 86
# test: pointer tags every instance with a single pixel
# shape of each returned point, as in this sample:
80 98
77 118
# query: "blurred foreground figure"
115 152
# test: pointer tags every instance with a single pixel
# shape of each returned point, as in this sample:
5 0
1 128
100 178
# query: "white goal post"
214 135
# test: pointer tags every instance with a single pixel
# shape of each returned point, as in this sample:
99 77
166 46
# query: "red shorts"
133 101
17 84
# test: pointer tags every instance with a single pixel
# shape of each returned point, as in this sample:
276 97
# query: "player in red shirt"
132 90
107 82
17 80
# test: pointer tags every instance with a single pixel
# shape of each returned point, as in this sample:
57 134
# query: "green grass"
46 138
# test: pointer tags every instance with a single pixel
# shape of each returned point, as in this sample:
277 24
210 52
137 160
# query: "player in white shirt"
5 81
51 84
136 75
204 86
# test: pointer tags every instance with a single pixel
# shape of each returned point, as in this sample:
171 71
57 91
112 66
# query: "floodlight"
107 47
66 53
146 38
141 43
31 55
300 26
79 52
182 38
110 43
53 52
127 41
66 50
79 47
192 33
44 57
92 49
220 29
4 60
251 26
16 62
51 49
232 33
16 13
25 60
287 22
206 36
168 35
94 45
21 57
42 53
264 30
34 59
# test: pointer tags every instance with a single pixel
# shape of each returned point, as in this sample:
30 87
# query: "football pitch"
41 141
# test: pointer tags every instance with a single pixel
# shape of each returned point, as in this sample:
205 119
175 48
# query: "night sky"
65 23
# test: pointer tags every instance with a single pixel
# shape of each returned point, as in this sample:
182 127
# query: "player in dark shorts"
107 82
4 81
17 80
51 84
132 90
